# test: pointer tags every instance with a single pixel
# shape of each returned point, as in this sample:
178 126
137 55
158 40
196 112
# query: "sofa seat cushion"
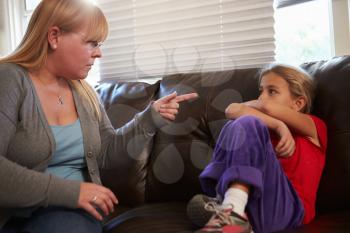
169 217
338 222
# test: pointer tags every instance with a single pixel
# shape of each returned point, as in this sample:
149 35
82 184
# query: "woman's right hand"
286 144
94 196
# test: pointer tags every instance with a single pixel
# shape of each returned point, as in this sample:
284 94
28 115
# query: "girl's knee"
247 121
247 127
250 120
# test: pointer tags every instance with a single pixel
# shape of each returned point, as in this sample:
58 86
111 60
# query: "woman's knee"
63 220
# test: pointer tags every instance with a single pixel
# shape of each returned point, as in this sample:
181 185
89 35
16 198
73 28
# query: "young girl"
267 162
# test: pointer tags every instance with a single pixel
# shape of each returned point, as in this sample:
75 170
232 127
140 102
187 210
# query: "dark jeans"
54 220
244 153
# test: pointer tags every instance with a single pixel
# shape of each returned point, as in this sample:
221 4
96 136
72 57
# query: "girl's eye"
272 92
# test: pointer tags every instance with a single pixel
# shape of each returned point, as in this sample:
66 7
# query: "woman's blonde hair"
299 82
69 16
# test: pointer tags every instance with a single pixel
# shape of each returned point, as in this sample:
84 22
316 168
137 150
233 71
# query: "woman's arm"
135 137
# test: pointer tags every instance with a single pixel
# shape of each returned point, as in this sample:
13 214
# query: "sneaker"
207 213
199 211
226 221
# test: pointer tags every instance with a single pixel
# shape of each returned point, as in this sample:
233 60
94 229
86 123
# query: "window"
29 6
11 25
152 38
303 32
158 37
3 30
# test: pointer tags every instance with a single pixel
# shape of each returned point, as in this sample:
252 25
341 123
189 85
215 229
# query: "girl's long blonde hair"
299 82
68 15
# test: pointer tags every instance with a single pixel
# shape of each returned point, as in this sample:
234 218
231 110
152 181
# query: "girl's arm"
286 144
298 122
235 110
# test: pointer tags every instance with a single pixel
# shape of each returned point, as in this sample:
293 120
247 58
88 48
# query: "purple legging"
244 153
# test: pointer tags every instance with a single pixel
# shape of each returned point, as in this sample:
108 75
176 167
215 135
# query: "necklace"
60 100
59 96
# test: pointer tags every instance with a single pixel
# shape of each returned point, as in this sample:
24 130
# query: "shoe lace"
220 215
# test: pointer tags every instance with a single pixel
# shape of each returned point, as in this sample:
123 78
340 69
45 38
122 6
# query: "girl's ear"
299 103
52 36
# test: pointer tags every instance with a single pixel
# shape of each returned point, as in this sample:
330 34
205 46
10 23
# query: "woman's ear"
299 103
52 36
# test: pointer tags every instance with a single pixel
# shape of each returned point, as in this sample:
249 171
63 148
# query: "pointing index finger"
169 97
184 97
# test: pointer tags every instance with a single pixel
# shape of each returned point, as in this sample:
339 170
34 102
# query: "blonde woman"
267 162
54 133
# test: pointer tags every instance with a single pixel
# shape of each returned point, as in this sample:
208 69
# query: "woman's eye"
94 44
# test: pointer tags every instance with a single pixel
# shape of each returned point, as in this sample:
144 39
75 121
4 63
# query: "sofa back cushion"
332 104
184 147
122 100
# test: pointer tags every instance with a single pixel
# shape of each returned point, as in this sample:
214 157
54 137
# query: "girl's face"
273 88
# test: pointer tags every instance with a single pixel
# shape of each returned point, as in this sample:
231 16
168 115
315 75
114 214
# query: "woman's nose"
97 53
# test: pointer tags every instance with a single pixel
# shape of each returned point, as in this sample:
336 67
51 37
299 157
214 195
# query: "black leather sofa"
153 189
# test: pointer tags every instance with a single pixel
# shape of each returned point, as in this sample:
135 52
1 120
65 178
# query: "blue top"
68 161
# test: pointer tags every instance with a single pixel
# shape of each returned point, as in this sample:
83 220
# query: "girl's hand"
168 106
286 145
94 196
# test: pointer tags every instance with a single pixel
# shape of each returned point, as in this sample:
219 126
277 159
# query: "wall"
341 28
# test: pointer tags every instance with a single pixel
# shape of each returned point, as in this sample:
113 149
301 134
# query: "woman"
55 135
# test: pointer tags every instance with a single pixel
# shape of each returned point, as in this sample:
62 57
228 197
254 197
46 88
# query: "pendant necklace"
59 96
60 100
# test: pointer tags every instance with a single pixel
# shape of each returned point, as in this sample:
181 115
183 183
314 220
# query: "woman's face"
74 56
274 88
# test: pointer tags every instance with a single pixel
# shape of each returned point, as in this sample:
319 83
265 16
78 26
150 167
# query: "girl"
267 162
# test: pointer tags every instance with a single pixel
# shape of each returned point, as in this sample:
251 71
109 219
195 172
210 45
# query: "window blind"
284 3
153 38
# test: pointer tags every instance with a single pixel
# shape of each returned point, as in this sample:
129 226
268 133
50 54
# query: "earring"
54 46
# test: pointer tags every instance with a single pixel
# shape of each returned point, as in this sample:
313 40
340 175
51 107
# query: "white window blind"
158 37
285 3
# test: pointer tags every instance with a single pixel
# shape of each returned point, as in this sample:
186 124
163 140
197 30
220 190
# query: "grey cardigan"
27 145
